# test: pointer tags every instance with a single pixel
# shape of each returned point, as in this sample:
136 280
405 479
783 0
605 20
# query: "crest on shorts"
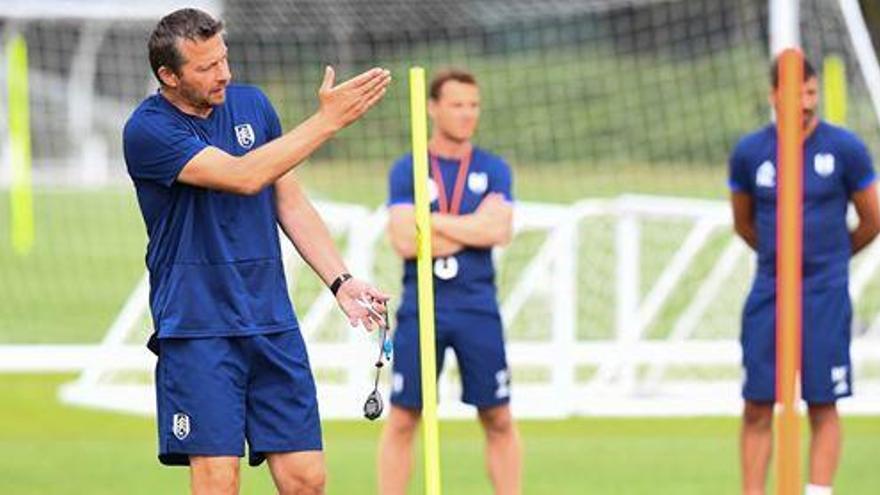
823 164
838 377
180 425
478 182
397 383
245 135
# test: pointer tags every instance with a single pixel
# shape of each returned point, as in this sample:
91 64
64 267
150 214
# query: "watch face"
373 406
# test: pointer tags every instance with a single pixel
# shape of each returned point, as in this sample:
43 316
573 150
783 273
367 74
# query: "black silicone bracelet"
334 287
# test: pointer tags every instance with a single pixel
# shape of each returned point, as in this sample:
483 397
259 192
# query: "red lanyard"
458 190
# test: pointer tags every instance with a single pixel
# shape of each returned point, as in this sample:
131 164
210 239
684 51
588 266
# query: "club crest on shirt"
766 176
823 164
478 182
245 135
180 425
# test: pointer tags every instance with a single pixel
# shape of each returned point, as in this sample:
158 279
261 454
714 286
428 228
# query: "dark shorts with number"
478 342
825 360
214 394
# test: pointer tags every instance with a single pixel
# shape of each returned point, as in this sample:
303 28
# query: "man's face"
204 75
809 101
456 112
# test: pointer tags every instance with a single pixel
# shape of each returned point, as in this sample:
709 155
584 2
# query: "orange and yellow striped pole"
789 242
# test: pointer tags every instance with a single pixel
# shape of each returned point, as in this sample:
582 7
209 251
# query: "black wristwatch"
334 287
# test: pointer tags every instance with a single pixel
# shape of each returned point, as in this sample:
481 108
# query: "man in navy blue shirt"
471 197
212 170
837 170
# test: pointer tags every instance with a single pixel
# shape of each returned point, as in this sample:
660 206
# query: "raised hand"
343 104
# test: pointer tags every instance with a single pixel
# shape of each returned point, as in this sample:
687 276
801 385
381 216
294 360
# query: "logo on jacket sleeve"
823 164
245 135
180 425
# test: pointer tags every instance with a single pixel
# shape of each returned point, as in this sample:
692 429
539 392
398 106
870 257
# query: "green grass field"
46 447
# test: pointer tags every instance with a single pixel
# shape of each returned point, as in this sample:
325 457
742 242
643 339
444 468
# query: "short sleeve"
157 147
501 180
400 183
858 171
273 123
739 179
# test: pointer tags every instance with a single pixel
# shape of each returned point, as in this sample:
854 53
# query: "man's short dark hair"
446 75
809 72
191 24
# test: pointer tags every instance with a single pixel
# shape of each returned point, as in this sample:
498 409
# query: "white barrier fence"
628 372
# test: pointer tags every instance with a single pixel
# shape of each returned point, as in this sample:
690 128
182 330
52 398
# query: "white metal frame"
616 388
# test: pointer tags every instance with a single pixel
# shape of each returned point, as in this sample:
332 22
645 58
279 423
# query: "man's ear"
168 77
432 107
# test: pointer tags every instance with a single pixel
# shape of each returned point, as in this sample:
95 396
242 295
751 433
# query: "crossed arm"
490 225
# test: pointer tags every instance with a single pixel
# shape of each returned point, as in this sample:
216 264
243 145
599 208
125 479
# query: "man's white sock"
817 490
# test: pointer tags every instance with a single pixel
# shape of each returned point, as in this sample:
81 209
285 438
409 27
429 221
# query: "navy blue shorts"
825 362
214 393
478 342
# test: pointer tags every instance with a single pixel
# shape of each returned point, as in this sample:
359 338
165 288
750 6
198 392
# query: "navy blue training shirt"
214 257
836 164
473 286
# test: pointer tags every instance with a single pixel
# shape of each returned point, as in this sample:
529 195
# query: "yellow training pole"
21 207
834 91
431 437
789 242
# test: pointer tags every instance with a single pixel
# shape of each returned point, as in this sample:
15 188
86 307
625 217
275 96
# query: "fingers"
350 100
329 77
375 84
365 77
364 305
376 294
366 319
372 99
370 94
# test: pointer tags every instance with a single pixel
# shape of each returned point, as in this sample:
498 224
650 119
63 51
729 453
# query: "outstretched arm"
304 227
340 105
